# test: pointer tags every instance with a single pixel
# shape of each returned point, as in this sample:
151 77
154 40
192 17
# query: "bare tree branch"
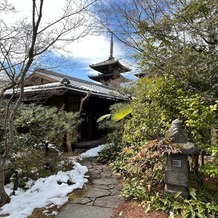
21 44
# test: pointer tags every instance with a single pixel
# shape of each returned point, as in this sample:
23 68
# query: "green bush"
109 153
33 163
152 112
158 101
37 128
142 167
142 170
37 124
198 206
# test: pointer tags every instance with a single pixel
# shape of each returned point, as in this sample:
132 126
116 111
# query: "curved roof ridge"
71 78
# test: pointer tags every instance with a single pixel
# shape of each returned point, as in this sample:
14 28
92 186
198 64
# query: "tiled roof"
110 66
79 85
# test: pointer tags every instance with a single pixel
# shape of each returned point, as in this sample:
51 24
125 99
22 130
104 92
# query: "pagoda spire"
112 46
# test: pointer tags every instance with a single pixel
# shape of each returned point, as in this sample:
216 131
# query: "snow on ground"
49 191
93 152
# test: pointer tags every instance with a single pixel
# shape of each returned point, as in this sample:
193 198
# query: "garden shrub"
33 163
37 124
39 136
157 101
109 153
142 169
198 206
151 114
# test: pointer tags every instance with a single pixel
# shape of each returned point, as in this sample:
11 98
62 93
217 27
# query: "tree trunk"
213 135
4 198
9 143
82 102
69 141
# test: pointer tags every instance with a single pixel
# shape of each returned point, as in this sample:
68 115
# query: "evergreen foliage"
37 124
161 99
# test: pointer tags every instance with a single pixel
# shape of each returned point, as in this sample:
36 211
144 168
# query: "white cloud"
93 49
89 49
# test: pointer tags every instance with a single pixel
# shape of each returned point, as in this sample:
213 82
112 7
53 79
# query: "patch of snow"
29 184
93 152
9 189
37 87
88 88
52 190
54 147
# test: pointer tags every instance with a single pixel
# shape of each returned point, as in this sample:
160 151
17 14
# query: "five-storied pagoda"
109 69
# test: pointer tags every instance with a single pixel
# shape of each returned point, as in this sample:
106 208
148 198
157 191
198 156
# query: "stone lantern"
177 165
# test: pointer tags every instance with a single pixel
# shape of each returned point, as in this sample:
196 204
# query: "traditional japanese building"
109 69
63 91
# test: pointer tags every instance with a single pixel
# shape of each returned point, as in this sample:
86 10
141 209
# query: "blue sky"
91 50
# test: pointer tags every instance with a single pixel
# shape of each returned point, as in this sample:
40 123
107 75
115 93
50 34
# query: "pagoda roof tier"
107 77
111 67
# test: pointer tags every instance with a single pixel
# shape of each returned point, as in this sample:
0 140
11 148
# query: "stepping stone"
84 211
97 193
105 181
109 201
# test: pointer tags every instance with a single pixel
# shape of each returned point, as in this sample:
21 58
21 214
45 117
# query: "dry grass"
132 209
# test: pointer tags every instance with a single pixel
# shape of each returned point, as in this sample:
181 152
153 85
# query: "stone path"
102 197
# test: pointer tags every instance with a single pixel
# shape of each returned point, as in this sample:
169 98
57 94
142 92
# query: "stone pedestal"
177 174
177 165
